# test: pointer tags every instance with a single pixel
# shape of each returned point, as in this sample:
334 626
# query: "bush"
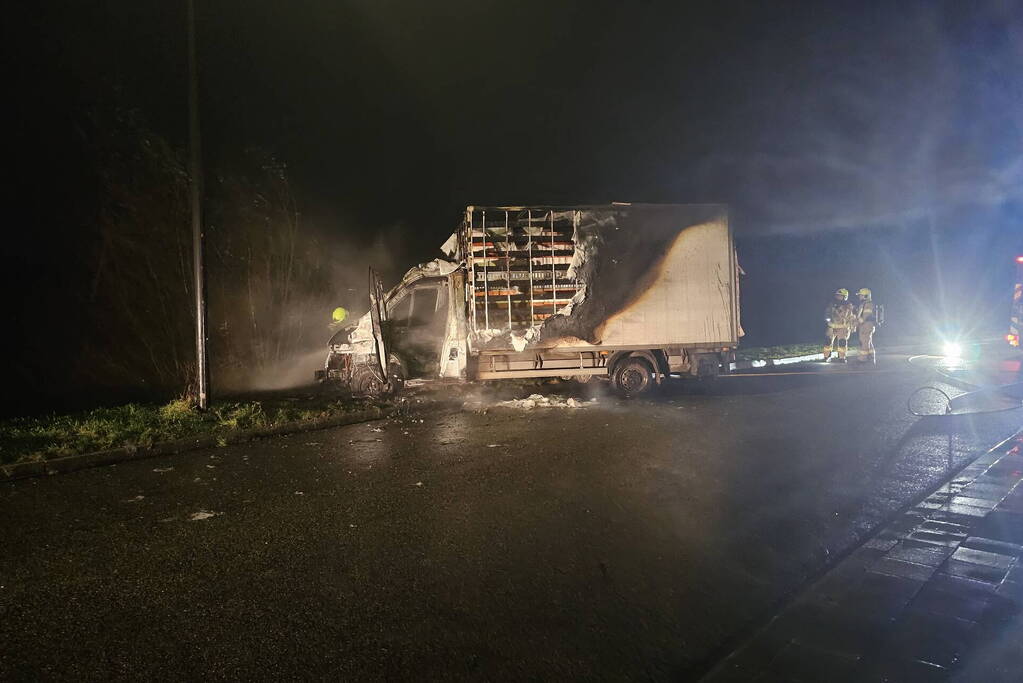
140 426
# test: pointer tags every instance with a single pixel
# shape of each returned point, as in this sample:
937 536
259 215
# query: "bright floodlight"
952 350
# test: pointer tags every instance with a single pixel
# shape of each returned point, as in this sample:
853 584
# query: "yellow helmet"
339 314
842 292
864 292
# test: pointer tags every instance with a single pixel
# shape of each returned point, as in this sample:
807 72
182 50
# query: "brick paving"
934 596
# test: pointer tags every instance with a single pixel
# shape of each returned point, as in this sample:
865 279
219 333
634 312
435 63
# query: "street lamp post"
202 369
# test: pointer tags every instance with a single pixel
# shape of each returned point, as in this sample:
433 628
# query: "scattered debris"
211 467
299 493
312 443
541 401
201 515
475 406
135 499
419 483
377 429
494 445
163 469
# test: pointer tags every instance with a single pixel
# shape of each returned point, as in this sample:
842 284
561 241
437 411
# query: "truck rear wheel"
633 377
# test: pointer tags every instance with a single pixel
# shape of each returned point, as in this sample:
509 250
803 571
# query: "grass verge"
772 352
27 439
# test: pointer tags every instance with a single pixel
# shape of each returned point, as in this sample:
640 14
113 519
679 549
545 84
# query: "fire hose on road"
983 398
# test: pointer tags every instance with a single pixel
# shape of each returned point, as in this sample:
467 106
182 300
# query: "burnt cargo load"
633 292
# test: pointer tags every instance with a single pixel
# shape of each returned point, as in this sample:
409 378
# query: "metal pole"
554 273
507 266
472 270
202 370
486 277
529 244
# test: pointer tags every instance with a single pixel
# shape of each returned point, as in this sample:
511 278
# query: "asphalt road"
625 539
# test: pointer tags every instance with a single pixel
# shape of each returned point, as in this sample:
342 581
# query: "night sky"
873 142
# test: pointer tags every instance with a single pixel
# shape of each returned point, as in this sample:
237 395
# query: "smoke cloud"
885 119
345 262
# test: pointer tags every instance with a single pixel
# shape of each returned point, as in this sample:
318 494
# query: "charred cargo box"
618 275
631 291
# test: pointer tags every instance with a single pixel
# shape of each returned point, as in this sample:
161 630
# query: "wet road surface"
625 539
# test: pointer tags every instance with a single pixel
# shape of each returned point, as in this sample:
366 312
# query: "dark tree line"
269 283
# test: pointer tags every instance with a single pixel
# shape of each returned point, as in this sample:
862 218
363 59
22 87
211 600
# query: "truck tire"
633 377
366 381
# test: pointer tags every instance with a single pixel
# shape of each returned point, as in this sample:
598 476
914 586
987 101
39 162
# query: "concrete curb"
73 463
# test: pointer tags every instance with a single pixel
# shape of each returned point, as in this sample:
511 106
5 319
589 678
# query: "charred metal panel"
378 316
689 298
454 351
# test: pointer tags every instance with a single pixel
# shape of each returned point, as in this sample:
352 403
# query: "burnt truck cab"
633 293
413 325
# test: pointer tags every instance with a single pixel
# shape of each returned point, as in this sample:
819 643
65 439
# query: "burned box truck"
630 292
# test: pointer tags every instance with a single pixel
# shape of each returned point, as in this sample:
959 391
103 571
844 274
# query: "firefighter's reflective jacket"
866 313
840 314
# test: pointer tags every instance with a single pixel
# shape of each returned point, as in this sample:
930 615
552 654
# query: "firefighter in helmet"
839 317
338 317
866 323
